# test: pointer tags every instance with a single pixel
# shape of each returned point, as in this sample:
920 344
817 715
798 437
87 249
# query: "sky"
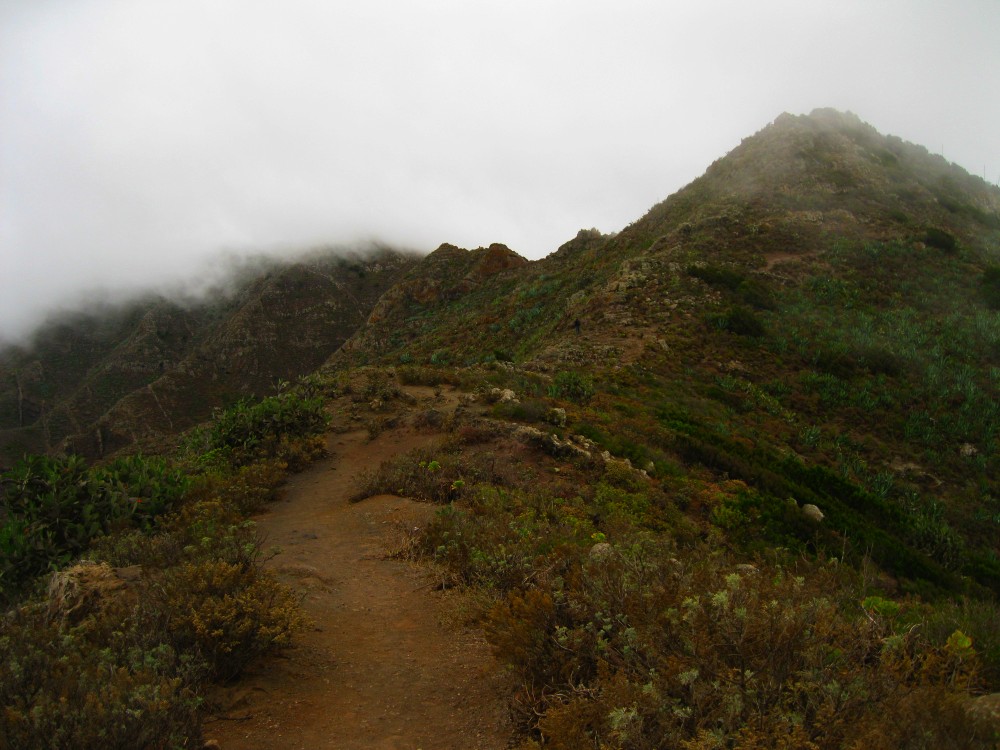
141 139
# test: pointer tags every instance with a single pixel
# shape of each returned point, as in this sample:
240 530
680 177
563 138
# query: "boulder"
601 552
813 513
556 417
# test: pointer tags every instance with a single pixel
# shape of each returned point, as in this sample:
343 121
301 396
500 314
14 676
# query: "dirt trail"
378 671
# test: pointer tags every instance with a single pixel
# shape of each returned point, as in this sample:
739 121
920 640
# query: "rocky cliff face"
95 382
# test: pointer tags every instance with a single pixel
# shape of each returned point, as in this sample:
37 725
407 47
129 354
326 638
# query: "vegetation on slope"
168 595
812 323
630 615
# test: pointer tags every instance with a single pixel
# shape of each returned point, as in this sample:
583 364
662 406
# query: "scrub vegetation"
731 479
107 658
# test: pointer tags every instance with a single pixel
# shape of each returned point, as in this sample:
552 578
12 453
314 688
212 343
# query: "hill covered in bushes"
736 484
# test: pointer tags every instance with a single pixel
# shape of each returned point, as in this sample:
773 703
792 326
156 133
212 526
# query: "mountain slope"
97 381
813 316
730 477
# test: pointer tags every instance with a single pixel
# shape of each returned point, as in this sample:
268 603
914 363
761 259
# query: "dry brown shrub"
228 613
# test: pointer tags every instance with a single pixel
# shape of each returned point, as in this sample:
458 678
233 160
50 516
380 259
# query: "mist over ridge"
138 139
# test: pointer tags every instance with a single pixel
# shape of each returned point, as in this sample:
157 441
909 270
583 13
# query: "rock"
813 513
550 443
601 552
968 450
556 417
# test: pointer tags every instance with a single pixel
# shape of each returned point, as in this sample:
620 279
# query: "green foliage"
430 376
420 474
152 484
130 673
739 320
719 276
990 285
249 431
68 690
51 509
647 646
572 386
227 612
528 410
940 239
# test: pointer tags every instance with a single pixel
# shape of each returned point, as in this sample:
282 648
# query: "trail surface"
379 670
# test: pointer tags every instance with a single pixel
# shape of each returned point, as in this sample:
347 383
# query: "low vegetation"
733 477
628 614
99 660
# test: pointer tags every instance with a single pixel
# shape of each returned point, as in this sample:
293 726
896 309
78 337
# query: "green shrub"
990 285
739 320
940 239
61 690
430 376
228 613
646 647
152 484
51 509
717 276
250 431
572 386
529 410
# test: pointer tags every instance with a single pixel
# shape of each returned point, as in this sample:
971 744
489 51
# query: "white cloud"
137 138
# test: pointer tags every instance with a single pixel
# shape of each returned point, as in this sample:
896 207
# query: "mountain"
95 381
727 477
823 299
794 190
817 316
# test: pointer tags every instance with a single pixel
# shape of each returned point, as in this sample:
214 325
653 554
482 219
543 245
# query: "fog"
140 139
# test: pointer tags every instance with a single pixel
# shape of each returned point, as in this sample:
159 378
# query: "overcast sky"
140 137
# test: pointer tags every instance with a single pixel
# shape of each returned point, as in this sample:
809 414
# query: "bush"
250 431
152 484
228 613
717 276
990 284
644 647
421 474
51 509
739 320
529 410
572 386
60 690
429 376
940 239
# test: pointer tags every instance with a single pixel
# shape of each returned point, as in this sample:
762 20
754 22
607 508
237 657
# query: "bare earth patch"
378 670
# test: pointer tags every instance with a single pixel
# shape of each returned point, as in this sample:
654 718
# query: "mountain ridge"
784 195
165 365
729 476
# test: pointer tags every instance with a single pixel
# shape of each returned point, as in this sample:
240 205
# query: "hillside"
729 477
821 296
96 381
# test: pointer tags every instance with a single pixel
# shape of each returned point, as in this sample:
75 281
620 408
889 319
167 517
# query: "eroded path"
378 670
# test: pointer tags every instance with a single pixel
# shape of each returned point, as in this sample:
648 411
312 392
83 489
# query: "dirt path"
379 670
